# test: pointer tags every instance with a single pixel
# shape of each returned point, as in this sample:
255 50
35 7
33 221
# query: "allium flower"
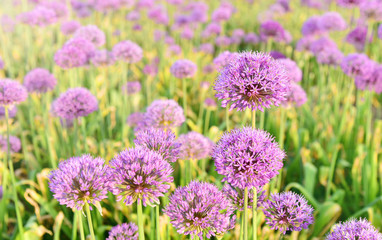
128 51
91 33
371 10
83 44
252 80
75 103
7 23
135 118
251 38
160 141
139 174
221 14
124 231
200 208
183 68
223 59
132 87
59 8
133 16
222 41
356 64
39 80
330 56
247 157
380 31
288 211
311 26
303 44
321 44
158 14
372 82
350 3
210 103
14 142
277 55
292 70
174 49
357 37
211 29
296 96
11 92
194 146
236 195
102 58
331 21
70 27
360 229
70 57
80 180
274 30
40 16
12 111
207 48
165 114
1 64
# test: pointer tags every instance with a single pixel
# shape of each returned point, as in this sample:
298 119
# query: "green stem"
153 222
157 222
254 213
190 170
89 217
141 230
184 85
82 233
53 162
227 118
245 213
207 121
253 119
75 136
241 227
75 225
13 178
83 128
281 144
262 119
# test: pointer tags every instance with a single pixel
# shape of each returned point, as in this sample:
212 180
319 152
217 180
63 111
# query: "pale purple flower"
207 48
135 119
14 143
211 29
40 16
251 38
331 21
194 146
350 3
7 23
380 31
139 174
174 49
183 68
221 14
12 111
210 103
292 70
132 87
252 80
187 33
330 56
360 229
59 8
70 27
128 51
159 14
11 92
371 10
222 41
372 82
357 65
247 157
91 33
236 195
80 180
277 55
124 231
160 141
296 96
288 211
273 30
311 26
39 80
133 16
102 58
82 44
357 37
303 44
223 59
70 57
200 208
321 44
75 103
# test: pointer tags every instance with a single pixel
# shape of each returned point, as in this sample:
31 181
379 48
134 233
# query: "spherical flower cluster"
373 82
273 30
251 38
194 146
39 16
210 103
223 59
70 57
102 58
330 56
39 80
200 208
236 195
135 119
311 27
277 55
322 44
331 21
80 180
357 37
11 92
12 111
124 231
70 27
357 65
183 69
91 33
84 45
350 3
292 70
360 229
128 51
296 96
165 114
288 211
14 143
132 87
160 141
371 10
247 157
252 80
139 174
75 103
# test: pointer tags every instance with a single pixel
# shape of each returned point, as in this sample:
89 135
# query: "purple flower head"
274 30
318 4
82 9
164 114
1 64
247 157
91 33
200 208
377 79
350 3
14 142
151 69
380 31
183 69
12 111
160 141
206 48
70 57
132 87
331 21
80 180
371 10
82 44
277 55
311 26
296 96
128 51
124 231
321 44
11 92
133 16
360 229
330 56
210 103
158 14
223 41
102 58
251 38
372 82
211 29
75 103
288 211
135 119
194 146
70 27
39 80
252 80
292 70
357 65
139 174
223 59
40 16
221 14
236 195
174 49
357 37
303 44
7 23
59 8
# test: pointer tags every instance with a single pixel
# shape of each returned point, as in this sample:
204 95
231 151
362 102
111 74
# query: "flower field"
182 119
